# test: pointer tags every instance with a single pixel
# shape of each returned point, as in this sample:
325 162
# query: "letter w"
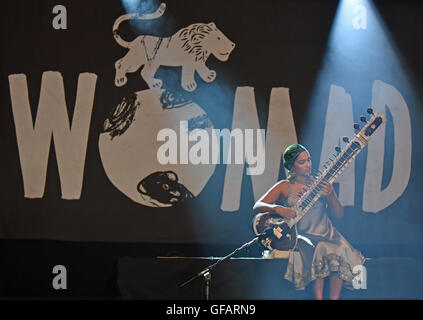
70 141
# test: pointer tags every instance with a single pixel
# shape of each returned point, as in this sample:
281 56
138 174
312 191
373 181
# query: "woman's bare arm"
266 202
335 206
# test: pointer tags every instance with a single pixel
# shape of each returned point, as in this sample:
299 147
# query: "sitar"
285 235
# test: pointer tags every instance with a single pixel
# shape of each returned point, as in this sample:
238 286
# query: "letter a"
59 281
360 277
60 21
360 20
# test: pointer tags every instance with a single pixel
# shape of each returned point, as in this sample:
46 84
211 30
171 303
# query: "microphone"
268 232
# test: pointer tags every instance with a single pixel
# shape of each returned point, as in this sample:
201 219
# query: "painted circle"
129 158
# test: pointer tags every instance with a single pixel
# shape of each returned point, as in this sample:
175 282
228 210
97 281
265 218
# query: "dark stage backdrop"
107 120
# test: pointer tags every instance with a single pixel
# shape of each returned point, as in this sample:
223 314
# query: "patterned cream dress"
321 249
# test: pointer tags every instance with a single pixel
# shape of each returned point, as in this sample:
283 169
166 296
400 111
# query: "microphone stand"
206 273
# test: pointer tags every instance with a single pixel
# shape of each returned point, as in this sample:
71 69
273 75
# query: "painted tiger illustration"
189 48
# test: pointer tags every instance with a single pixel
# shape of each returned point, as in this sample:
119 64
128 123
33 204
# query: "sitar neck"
337 166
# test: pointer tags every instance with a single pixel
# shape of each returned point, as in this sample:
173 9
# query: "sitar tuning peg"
345 139
356 126
338 149
363 119
370 111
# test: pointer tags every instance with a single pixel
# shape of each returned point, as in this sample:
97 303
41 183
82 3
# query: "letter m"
70 141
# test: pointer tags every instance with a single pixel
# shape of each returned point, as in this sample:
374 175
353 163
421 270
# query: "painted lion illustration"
188 48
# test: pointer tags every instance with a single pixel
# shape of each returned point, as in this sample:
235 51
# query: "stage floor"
256 278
